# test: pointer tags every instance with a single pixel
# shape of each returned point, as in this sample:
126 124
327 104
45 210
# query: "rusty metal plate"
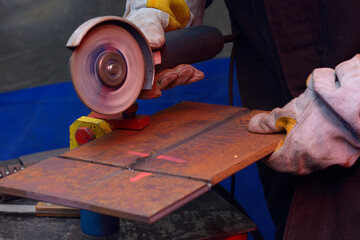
144 175
133 195
214 155
168 127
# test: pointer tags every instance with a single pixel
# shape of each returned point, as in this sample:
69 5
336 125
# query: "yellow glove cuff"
178 10
284 124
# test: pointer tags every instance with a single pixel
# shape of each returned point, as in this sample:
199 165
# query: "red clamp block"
84 135
126 120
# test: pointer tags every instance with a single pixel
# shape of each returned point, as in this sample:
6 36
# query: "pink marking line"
172 159
140 176
139 154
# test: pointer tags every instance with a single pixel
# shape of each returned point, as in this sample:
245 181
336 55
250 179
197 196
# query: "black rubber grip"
190 45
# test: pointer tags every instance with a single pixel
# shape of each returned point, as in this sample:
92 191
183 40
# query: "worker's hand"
154 18
182 74
322 124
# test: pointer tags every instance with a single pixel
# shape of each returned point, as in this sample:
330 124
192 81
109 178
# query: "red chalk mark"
169 158
139 154
139 176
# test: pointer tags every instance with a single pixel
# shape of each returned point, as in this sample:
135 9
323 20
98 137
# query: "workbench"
207 216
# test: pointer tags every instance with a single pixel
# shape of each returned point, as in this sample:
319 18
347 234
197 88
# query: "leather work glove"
153 18
322 125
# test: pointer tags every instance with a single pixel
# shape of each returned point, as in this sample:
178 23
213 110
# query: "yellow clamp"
98 127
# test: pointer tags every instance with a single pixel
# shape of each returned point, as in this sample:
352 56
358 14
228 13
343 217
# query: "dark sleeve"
208 2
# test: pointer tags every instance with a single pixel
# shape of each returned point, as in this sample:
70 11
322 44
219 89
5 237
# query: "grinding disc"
108 69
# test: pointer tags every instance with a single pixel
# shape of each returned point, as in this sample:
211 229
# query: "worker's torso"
294 37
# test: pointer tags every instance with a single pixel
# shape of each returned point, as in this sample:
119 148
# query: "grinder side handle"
190 45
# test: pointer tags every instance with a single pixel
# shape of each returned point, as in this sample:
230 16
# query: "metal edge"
169 209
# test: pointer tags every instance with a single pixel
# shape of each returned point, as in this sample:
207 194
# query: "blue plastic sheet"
37 119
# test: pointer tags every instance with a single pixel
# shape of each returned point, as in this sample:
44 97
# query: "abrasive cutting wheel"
108 69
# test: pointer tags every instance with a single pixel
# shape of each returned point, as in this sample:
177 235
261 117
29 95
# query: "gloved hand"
322 124
153 18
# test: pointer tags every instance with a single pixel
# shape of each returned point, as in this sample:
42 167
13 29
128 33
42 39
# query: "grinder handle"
190 45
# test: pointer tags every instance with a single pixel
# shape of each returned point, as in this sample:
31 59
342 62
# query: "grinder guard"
110 64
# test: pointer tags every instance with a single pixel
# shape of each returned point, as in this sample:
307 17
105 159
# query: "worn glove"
322 124
153 18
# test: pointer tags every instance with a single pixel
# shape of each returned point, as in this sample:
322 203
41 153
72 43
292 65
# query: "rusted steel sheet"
184 150
168 127
134 195
216 154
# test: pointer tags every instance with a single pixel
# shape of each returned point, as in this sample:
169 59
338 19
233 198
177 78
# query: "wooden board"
144 175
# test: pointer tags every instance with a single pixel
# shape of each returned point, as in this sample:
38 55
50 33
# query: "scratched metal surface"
214 155
200 141
109 190
166 128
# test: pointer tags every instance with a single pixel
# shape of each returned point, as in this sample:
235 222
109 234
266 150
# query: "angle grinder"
112 61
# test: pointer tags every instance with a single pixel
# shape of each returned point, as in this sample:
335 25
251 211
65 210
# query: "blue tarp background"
37 119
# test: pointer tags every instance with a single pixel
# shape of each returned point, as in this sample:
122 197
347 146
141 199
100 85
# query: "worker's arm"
322 124
154 17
